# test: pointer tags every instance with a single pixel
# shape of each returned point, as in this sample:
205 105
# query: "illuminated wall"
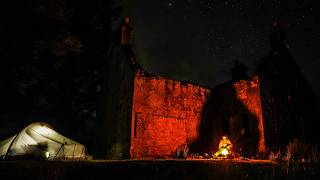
165 115
148 117
248 92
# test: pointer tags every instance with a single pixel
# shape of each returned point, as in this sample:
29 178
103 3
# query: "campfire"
225 147
224 152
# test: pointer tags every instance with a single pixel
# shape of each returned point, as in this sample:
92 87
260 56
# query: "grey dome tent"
40 140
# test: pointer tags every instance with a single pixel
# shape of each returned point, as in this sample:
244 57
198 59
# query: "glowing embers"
225 148
225 152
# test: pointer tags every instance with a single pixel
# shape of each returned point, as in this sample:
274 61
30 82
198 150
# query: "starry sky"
199 40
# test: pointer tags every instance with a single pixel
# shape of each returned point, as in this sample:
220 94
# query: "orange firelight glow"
165 115
248 92
224 152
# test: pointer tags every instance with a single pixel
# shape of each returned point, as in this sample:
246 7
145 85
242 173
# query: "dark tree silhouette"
53 55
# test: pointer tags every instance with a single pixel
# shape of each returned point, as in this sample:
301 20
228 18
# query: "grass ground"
157 169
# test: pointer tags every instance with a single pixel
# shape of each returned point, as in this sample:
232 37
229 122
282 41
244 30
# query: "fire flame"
224 152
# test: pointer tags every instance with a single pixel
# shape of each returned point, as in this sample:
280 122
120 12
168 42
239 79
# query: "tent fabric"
40 139
4 145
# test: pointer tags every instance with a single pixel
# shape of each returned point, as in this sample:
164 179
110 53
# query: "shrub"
298 151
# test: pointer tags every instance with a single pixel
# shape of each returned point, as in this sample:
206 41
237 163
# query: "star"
196 28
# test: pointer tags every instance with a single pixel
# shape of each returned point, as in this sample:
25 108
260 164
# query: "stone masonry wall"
166 114
248 92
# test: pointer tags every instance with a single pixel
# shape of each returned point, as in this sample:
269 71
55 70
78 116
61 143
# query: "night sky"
199 40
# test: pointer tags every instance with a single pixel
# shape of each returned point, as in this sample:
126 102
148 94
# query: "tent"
41 141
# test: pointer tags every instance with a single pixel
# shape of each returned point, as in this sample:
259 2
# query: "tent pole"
14 139
58 151
80 154
74 147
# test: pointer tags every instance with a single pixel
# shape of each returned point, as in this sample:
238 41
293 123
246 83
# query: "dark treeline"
53 56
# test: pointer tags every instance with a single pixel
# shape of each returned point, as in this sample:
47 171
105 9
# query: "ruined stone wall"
288 102
165 115
248 92
233 109
168 114
113 132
